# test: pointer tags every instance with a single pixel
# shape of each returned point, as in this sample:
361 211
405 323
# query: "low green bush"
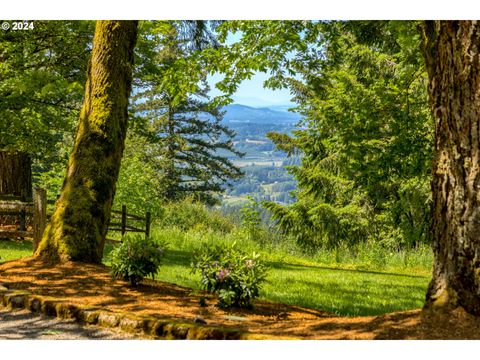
231 273
135 258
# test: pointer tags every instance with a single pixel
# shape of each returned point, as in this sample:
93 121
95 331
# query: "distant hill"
265 115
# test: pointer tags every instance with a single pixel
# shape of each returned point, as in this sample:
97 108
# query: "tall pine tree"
189 144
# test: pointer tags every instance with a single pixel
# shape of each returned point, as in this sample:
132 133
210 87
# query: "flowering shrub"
135 258
235 276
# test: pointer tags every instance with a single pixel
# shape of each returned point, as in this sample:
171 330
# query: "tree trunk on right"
451 50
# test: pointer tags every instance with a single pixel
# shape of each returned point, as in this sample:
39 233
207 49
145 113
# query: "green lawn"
342 291
329 281
14 249
345 288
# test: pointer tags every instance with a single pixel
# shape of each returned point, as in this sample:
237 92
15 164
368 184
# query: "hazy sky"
251 92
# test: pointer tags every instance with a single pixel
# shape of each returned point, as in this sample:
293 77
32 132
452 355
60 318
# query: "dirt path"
25 325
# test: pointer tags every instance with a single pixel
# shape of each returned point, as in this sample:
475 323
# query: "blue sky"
252 93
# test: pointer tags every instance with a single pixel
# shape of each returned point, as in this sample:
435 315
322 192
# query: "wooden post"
147 224
124 220
23 216
23 221
39 216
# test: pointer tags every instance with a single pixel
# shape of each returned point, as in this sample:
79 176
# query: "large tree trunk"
79 224
451 50
15 174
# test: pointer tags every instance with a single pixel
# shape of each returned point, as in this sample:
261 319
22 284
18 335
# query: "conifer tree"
189 144
366 137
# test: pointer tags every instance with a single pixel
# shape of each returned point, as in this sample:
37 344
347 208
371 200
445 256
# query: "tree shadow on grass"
178 258
362 299
290 266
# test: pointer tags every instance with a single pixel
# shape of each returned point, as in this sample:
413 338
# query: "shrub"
135 258
232 274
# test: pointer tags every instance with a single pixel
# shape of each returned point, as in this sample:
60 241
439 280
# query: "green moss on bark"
79 224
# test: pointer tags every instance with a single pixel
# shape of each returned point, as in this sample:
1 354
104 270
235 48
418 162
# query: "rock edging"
149 327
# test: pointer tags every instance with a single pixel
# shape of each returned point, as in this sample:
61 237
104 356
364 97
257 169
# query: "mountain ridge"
259 115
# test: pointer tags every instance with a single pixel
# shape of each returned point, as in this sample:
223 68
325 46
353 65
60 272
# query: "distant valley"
265 175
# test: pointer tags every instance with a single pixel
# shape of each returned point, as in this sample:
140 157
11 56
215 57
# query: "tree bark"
79 224
451 50
15 174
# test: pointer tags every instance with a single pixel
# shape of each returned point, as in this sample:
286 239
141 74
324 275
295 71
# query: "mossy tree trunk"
451 50
78 226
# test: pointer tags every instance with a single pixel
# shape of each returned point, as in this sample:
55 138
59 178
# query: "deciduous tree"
42 80
79 224
15 174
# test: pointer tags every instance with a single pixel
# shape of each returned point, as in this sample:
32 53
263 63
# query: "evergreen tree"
367 134
188 141
366 147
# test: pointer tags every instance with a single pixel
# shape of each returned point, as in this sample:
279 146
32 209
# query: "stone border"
149 327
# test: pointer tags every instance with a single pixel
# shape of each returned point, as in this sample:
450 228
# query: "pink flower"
222 274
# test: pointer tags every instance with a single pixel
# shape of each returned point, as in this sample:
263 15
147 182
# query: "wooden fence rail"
21 207
122 225
37 209
15 198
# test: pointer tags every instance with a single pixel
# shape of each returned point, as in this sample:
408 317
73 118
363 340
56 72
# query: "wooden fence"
121 224
22 207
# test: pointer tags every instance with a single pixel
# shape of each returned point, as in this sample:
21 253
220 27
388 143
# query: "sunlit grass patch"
351 287
344 285
14 249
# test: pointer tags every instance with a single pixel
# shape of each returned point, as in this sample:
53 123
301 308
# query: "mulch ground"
92 285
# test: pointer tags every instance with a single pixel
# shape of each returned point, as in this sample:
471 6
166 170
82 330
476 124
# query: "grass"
340 291
343 291
14 249
371 282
